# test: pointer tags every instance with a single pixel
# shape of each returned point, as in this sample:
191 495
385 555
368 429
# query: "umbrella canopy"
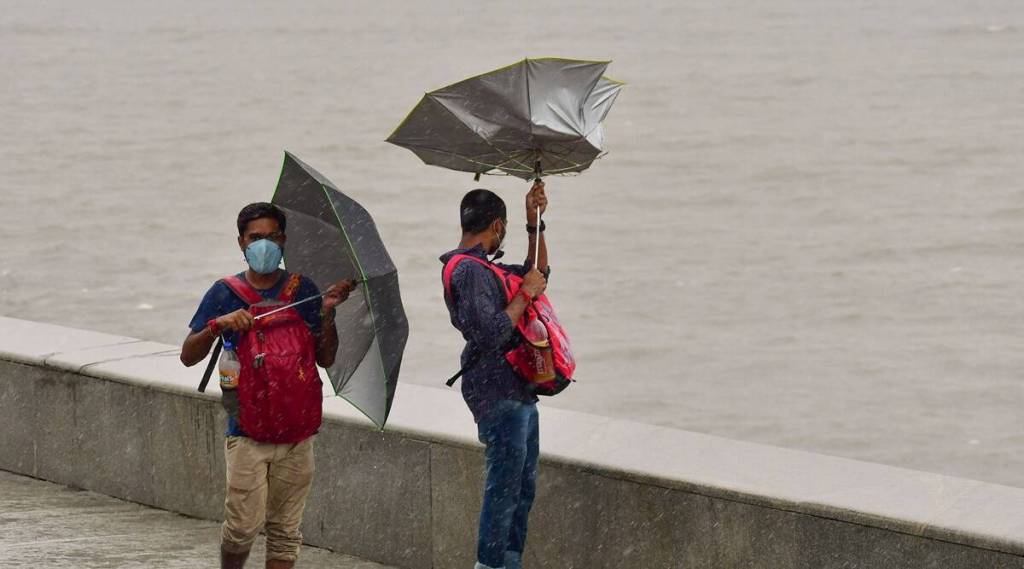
506 121
330 238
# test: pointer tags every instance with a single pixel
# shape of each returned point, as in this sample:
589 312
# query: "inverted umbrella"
532 118
330 238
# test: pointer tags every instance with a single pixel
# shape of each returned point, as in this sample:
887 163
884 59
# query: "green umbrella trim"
280 174
523 61
353 255
369 301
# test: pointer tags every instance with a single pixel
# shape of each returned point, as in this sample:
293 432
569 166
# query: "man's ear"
241 243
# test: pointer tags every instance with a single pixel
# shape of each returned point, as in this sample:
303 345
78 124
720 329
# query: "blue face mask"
263 256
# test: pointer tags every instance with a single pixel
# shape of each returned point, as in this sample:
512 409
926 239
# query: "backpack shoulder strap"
449 268
243 289
213 362
290 288
446 277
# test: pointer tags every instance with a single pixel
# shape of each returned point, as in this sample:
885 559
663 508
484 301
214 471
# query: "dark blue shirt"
220 300
477 309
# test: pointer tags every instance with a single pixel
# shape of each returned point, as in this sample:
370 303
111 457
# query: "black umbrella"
529 119
537 116
330 238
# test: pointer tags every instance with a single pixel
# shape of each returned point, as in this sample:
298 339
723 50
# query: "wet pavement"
47 525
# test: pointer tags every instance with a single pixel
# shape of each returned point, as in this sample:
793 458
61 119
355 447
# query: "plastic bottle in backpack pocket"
229 367
539 346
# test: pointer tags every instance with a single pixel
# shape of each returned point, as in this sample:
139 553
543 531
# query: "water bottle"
229 367
540 351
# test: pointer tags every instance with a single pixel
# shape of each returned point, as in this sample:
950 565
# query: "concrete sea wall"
122 417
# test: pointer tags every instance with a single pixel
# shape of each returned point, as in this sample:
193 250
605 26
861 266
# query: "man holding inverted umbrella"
530 119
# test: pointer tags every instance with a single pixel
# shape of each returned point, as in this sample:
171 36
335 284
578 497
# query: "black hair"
479 209
260 210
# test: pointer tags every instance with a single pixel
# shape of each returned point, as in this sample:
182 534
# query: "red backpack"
541 309
279 389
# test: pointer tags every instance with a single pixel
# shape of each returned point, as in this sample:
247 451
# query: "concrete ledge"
121 416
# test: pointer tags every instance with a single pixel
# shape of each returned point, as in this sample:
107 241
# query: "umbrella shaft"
292 305
536 253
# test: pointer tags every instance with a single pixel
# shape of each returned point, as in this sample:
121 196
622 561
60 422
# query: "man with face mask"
502 404
267 483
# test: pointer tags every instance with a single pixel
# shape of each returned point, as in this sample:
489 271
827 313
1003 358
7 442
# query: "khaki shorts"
267 489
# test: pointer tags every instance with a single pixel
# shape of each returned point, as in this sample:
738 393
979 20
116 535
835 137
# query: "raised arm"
534 199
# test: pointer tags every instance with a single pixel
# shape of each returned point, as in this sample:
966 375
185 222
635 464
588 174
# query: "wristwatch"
532 229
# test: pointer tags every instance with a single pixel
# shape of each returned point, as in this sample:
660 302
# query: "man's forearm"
196 346
516 308
327 349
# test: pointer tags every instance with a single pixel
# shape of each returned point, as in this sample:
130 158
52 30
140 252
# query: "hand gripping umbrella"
330 238
533 118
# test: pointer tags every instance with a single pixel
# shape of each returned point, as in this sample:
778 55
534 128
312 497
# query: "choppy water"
808 231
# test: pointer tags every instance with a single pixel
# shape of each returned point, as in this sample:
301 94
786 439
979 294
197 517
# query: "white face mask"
498 253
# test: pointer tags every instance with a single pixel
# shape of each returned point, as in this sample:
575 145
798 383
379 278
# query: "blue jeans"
510 431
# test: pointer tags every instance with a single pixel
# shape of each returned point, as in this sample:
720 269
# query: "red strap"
449 268
243 289
251 296
290 288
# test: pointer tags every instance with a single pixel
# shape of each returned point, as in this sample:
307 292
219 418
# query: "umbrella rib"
280 175
565 156
509 157
474 160
369 301
512 158
564 159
